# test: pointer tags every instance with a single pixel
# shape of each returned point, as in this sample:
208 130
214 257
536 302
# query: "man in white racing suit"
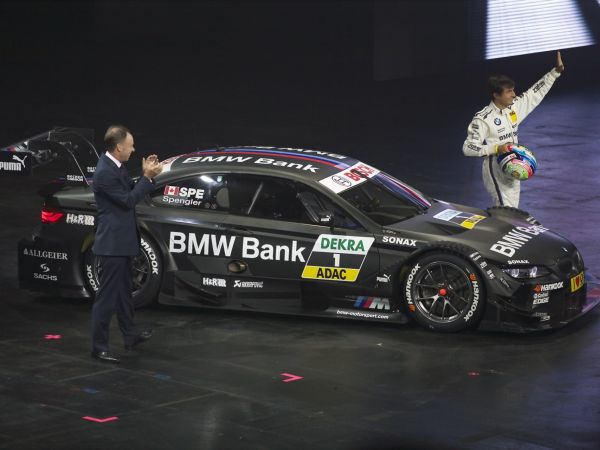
497 125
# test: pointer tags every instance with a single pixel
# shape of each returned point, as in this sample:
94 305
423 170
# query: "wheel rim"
140 268
442 291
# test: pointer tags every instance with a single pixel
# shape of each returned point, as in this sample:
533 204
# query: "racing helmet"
519 162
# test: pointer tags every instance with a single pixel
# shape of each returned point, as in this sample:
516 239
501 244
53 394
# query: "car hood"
506 236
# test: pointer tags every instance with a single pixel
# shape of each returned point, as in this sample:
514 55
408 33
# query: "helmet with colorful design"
519 162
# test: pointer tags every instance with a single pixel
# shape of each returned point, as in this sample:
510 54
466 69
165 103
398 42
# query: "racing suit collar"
498 110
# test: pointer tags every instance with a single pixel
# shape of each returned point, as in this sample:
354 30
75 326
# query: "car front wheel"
444 292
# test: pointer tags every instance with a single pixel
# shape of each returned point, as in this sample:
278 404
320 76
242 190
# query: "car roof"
311 165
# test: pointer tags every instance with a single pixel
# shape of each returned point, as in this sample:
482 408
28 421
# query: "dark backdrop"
379 81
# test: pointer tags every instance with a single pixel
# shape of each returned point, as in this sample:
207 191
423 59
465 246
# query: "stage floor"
216 380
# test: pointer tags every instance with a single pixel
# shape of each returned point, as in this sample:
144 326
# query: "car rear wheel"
444 292
146 273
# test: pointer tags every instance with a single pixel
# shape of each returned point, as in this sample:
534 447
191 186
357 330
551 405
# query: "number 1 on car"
336 259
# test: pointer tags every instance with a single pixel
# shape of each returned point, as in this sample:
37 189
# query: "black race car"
310 232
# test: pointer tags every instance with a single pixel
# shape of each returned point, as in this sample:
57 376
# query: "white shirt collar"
115 160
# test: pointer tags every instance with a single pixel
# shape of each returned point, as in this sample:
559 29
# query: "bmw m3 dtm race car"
309 232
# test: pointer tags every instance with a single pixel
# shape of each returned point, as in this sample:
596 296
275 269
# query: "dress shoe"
105 357
142 337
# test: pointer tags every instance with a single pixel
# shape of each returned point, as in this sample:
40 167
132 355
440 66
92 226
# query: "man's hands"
151 166
503 148
559 64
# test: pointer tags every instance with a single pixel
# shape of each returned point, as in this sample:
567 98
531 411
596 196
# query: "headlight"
525 272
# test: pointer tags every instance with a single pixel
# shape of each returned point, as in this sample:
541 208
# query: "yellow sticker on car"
577 282
471 221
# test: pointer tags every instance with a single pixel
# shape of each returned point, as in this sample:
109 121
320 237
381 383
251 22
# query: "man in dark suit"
117 239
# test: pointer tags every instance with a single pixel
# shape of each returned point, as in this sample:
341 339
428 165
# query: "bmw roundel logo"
497 121
341 181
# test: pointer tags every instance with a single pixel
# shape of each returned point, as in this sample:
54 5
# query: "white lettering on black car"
241 159
400 241
80 219
45 254
212 245
248 284
216 282
516 238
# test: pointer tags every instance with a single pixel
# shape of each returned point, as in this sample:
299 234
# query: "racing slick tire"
146 272
443 292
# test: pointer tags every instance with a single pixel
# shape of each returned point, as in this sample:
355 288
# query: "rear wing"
64 153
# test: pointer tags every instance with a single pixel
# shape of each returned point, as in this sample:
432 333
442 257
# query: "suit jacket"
116 196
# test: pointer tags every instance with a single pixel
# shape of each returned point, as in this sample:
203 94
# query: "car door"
286 255
186 217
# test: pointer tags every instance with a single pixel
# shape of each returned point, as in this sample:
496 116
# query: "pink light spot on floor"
97 419
291 377
52 336
473 374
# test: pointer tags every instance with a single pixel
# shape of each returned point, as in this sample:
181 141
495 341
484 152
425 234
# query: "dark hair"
497 84
115 135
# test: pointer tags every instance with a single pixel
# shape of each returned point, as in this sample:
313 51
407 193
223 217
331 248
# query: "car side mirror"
326 218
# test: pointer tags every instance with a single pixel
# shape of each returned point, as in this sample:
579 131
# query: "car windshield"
385 199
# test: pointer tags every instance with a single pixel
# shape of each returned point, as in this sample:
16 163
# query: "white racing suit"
492 126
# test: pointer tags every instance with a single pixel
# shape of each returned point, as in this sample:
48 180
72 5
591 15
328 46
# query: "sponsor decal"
541 298
473 307
517 238
548 287
408 290
513 116
248 284
347 178
74 177
542 316
80 219
151 256
539 85
15 163
185 192
183 196
363 302
500 130
338 258
90 169
253 159
89 273
45 254
577 281
473 147
214 245
384 278
497 121
399 241
341 181
475 256
508 135
362 314
518 261
45 275
490 274
214 282
464 219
